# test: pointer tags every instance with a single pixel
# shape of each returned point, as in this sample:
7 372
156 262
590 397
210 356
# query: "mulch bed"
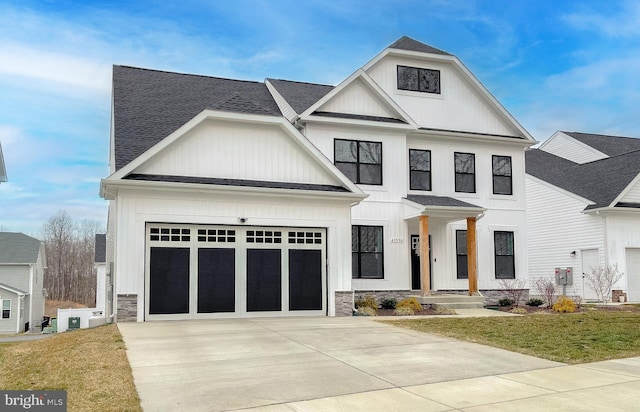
529 309
389 312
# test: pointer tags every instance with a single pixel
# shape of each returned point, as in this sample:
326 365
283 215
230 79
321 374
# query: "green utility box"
74 322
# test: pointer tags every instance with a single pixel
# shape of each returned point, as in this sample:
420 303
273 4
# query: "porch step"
458 305
450 299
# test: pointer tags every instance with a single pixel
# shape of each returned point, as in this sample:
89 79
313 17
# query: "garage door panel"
169 280
305 279
264 281
216 280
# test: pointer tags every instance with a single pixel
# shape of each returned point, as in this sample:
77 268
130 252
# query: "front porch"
439 211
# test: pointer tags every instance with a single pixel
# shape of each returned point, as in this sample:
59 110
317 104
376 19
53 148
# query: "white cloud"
623 23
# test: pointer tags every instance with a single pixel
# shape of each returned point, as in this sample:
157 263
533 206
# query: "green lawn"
90 364
569 338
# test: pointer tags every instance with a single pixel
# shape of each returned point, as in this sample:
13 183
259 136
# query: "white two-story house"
237 198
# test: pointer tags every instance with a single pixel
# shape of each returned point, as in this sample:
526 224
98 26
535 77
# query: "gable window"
419 169
366 252
462 271
360 161
504 255
418 80
6 308
502 184
465 165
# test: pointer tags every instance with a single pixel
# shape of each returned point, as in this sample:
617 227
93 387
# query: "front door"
415 263
590 261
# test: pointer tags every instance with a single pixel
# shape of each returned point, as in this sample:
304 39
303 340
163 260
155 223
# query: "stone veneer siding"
127 308
344 303
616 294
492 296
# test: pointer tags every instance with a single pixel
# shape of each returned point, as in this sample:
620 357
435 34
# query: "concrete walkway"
355 364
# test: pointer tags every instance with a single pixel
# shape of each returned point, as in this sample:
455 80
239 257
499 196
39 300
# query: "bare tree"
70 253
601 280
513 289
545 288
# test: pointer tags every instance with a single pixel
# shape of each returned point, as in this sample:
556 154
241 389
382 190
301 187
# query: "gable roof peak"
409 44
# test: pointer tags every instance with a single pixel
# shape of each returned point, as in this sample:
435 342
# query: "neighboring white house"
240 198
22 265
583 208
3 170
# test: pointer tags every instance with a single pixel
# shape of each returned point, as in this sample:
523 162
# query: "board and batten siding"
556 227
234 150
459 106
136 208
569 148
622 232
358 98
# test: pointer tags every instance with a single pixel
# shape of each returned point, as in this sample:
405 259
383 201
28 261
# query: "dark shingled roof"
101 248
409 44
236 182
18 248
428 200
150 104
609 145
600 181
299 95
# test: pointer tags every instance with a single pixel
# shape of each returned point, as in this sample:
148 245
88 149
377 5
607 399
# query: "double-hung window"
465 167
6 309
504 255
367 254
502 183
419 169
462 270
360 161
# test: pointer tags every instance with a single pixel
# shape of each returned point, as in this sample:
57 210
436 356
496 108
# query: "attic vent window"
418 80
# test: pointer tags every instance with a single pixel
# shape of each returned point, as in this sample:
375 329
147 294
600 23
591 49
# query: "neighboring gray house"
22 264
583 209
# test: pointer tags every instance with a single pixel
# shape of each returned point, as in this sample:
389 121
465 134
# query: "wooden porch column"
472 258
424 255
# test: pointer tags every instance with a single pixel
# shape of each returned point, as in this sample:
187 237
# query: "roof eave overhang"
611 209
355 122
448 213
109 190
460 134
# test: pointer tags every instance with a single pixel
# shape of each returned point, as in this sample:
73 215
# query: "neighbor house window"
502 184
360 161
504 255
6 309
367 255
465 165
418 80
419 169
461 255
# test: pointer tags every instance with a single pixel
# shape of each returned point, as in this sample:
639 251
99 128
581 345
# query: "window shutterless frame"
465 172
502 175
6 308
367 247
419 169
462 268
359 160
504 255
417 79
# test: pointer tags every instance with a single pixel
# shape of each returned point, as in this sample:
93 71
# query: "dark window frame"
358 163
502 176
419 171
504 257
462 173
419 87
462 270
357 254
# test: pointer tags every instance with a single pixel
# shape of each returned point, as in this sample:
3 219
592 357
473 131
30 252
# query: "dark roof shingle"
443 201
100 248
409 44
300 95
609 145
18 248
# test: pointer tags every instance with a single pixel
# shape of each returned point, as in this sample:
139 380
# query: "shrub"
505 302
404 311
564 305
368 301
388 303
601 280
445 311
518 311
535 302
513 290
366 311
545 288
411 303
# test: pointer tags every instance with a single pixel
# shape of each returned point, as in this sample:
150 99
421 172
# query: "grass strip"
569 338
90 364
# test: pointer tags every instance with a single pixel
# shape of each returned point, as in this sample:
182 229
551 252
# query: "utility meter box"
74 322
564 276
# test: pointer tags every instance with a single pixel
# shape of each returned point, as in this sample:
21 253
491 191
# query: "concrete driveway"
350 364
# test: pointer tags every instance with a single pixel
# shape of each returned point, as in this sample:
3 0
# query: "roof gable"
564 145
18 248
299 95
409 44
609 145
148 105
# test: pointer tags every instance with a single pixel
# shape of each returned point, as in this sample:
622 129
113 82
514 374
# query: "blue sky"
555 65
